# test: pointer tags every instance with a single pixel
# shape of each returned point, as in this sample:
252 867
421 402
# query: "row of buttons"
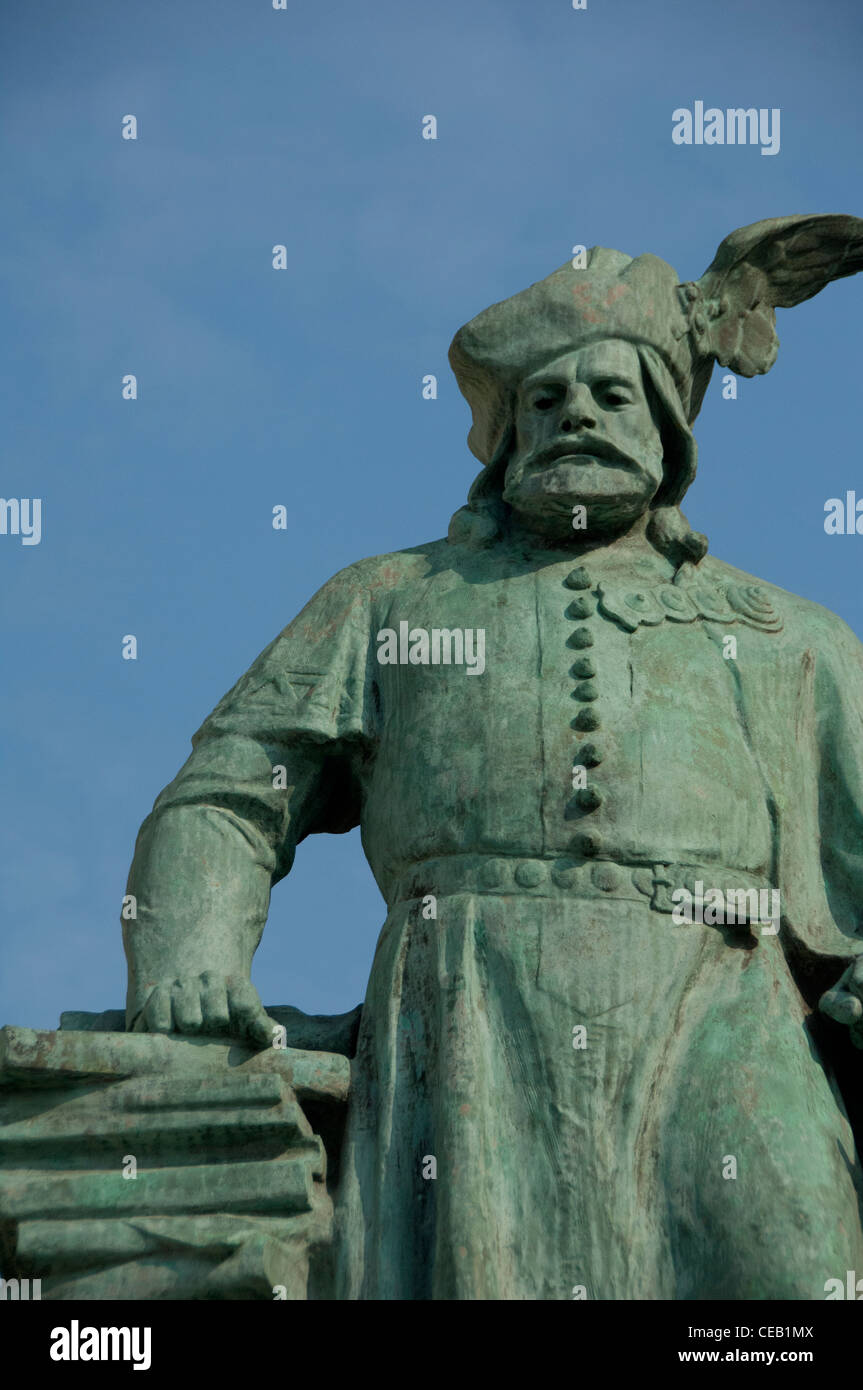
499 874
588 755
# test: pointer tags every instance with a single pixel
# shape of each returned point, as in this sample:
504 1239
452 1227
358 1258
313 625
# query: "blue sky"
302 387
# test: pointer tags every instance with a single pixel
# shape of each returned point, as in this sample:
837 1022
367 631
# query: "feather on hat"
727 316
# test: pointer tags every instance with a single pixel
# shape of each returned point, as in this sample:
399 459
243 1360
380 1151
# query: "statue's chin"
577 514
609 495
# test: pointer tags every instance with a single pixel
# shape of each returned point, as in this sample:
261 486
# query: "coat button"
578 579
492 873
530 874
606 877
589 755
589 798
586 720
582 637
564 874
581 607
585 666
587 843
586 690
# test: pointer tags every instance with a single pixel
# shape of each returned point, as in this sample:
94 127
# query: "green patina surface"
555 1085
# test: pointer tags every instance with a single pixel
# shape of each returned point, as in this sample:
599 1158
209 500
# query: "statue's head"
586 433
584 386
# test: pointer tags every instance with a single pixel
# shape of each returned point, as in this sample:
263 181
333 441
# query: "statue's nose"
578 410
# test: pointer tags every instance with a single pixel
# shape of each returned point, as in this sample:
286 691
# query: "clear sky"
303 387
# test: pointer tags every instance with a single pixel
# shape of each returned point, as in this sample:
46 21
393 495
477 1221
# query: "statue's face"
585 436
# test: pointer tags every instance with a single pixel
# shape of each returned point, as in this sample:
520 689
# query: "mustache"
582 444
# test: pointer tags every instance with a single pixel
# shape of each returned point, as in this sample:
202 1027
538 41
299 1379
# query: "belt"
561 877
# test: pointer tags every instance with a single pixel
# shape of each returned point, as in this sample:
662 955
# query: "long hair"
486 518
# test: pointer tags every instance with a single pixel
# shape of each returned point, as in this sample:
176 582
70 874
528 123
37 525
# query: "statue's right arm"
200 883
271 764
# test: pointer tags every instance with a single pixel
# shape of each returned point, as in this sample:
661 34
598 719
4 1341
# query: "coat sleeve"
839 707
278 759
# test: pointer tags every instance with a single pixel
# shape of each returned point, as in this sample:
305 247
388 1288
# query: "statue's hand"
844 1001
210 1004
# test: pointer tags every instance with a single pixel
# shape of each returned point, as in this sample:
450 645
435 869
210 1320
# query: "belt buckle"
663 886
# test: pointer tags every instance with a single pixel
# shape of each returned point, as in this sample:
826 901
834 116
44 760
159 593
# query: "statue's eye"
615 398
544 402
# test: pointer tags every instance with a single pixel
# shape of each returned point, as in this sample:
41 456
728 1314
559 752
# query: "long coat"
559 1090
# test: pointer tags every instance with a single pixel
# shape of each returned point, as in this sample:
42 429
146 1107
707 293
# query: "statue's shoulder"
803 621
377 573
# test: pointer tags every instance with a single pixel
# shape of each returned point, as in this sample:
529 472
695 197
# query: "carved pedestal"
141 1166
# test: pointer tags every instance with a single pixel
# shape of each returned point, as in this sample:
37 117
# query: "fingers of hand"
210 1004
156 1014
216 1014
187 1007
248 1014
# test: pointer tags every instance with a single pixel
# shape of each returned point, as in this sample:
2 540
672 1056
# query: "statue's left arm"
839 702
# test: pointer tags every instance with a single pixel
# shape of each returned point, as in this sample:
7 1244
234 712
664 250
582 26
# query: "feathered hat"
727 316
